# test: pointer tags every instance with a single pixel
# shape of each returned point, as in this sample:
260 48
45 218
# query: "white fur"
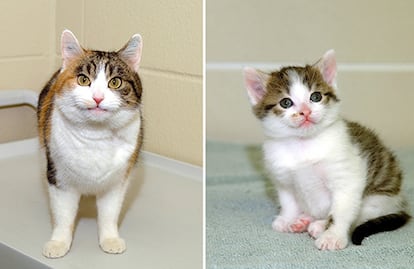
319 173
317 170
90 149
94 146
318 176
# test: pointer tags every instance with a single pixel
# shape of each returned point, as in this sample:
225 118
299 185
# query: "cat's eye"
115 83
286 103
83 80
316 97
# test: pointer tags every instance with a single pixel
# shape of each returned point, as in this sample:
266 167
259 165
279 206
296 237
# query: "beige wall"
171 67
374 47
26 59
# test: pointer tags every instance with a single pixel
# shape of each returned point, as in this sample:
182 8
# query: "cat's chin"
303 131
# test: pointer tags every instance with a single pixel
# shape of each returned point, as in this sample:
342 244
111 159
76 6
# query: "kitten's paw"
316 228
300 225
114 245
55 249
280 225
331 241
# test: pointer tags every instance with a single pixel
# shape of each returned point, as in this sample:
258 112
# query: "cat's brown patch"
329 222
279 83
384 175
134 158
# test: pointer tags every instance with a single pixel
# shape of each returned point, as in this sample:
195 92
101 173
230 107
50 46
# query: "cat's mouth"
307 122
97 110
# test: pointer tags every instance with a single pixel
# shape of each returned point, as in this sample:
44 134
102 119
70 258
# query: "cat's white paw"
331 241
114 245
280 225
316 228
55 249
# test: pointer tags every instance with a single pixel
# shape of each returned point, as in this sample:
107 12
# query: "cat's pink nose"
97 99
305 111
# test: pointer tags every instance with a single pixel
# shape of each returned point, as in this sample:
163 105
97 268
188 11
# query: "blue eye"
286 103
316 97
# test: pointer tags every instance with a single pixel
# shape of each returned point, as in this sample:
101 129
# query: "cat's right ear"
70 47
255 82
131 52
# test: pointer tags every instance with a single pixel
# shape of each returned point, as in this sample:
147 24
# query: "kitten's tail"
380 224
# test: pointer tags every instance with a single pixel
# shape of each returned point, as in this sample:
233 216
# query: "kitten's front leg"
347 191
109 206
289 212
64 207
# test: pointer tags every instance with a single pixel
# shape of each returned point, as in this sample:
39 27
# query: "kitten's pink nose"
305 111
97 99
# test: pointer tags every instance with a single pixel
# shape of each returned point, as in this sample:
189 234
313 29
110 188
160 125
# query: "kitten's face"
294 101
96 86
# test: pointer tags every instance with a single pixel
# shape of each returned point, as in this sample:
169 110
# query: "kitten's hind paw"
55 249
331 241
114 245
316 228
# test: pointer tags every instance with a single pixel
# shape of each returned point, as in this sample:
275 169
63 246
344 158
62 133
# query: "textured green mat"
241 204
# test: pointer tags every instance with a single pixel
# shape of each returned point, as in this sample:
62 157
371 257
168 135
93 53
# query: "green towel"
241 204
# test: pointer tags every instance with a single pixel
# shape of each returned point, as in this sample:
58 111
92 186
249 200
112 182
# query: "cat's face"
96 86
295 101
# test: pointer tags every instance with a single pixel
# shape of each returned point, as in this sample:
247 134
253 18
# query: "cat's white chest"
294 154
91 158
301 167
305 166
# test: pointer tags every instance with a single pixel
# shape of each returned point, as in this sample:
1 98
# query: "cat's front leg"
347 191
109 206
64 207
288 218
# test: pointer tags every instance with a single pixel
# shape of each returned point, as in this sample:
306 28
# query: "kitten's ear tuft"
131 52
327 67
70 47
255 82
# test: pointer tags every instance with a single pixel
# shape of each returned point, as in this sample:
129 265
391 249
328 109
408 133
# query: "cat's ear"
327 67
70 47
131 52
255 82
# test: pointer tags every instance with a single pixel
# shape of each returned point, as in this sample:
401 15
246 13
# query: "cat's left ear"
327 67
131 52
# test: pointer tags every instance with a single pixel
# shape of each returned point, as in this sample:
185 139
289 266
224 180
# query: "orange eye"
83 80
115 83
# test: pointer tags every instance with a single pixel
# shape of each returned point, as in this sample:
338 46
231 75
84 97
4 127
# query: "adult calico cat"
90 123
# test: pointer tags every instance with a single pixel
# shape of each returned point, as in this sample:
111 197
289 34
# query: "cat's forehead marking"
299 92
100 81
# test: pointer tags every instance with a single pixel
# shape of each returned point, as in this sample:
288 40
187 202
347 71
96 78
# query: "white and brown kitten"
90 123
332 176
